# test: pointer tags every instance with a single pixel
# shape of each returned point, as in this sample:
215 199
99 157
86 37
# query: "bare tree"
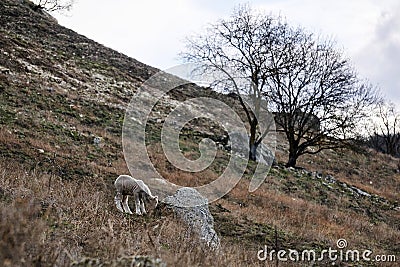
312 80
386 129
239 48
54 5
297 75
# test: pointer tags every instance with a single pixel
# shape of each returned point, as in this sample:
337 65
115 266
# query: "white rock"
189 205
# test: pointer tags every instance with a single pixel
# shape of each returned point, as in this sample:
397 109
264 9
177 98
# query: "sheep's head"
152 201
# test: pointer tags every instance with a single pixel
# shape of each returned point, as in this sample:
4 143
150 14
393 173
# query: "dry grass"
65 222
309 222
177 176
53 221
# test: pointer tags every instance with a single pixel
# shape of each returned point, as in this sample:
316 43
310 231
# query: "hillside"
62 103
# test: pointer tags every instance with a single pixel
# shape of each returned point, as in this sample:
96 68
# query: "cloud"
153 31
368 31
379 59
150 31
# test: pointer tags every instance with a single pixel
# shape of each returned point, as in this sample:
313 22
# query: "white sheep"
127 186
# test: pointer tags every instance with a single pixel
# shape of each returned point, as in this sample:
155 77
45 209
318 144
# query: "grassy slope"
62 90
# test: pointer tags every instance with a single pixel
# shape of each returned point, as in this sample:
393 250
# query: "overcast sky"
153 31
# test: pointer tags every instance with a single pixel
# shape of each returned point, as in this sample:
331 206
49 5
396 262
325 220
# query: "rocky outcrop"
192 208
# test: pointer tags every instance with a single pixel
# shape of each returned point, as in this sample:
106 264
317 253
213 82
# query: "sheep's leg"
137 205
125 204
142 208
118 202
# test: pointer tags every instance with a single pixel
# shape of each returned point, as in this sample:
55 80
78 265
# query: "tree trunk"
253 152
293 155
292 161
252 140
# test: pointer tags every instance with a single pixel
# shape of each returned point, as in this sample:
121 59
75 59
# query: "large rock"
265 156
239 144
191 207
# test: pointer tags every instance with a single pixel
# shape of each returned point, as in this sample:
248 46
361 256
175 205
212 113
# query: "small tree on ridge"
53 5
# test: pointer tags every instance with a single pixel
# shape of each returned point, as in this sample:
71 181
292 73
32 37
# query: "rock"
330 179
97 140
238 143
360 192
192 208
264 155
318 175
4 70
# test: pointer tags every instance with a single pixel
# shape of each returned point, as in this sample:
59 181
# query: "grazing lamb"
127 186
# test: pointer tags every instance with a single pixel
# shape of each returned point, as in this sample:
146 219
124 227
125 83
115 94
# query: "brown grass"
310 222
50 220
62 222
